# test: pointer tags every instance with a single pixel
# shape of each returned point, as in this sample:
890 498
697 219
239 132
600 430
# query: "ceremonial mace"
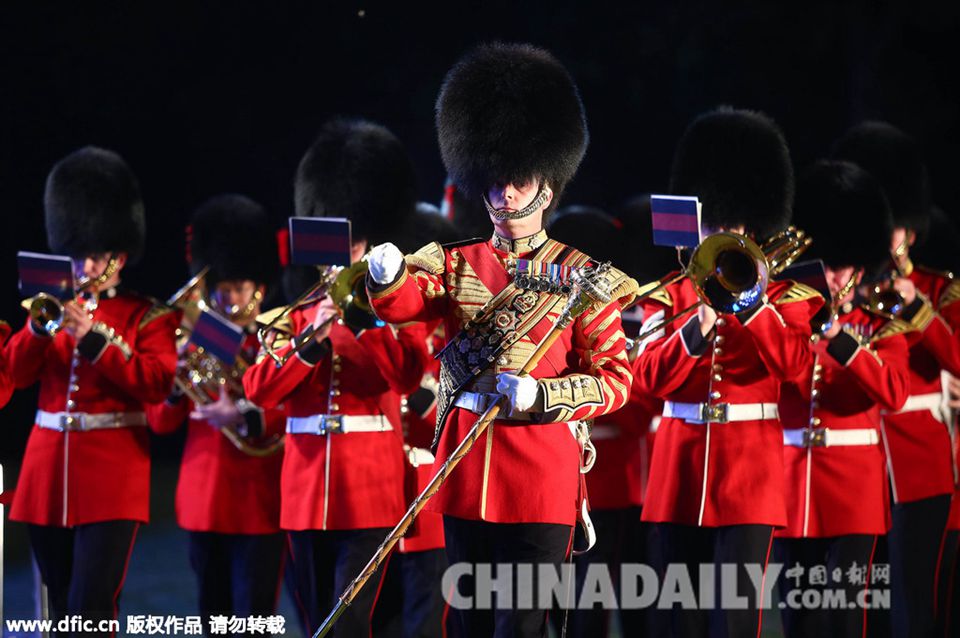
589 288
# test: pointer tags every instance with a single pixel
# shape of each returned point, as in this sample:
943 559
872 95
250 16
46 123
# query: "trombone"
730 272
46 310
345 286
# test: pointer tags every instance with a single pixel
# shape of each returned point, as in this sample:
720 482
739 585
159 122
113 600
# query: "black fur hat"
358 170
844 210
92 204
510 113
233 235
738 164
896 160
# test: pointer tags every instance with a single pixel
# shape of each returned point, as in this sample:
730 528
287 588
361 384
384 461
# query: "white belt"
81 421
605 432
917 402
828 437
480 402
337 424
720 412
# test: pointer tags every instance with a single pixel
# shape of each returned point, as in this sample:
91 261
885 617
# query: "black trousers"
621 538
914 543
832 553
324 563
83 567
691 547
480 542
411 603
948 589
237 574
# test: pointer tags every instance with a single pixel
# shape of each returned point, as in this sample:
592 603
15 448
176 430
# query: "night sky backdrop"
205 98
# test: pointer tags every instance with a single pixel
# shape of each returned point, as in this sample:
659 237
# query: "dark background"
206 98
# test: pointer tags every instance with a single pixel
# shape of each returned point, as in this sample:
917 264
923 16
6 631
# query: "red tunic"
351 480
220 488
840 490
6 381
517 472
72 478
731 473
917 440
420 416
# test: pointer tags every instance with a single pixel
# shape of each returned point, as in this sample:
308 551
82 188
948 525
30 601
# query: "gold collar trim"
521 245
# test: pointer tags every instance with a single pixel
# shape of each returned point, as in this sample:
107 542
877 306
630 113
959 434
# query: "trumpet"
46 310
346 287
730 272
828 314
202 377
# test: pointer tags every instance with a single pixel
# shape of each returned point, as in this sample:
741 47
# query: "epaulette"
157 309
623 287
265 318
798 292
429 258
892 328
950 294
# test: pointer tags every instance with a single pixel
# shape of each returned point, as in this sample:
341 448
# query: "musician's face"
513 197
234 294
838 277
94 265
900 241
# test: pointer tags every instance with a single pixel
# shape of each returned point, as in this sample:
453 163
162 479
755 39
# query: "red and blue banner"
52 274
676 220
319 241
217 336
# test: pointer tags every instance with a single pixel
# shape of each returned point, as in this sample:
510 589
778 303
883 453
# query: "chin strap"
526 211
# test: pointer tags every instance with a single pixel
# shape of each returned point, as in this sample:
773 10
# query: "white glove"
385 262
521 391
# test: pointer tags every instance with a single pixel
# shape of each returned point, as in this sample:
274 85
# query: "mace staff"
589 288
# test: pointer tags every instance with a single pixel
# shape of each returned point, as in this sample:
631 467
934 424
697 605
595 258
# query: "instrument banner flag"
676 220
320 241
217 336
52 274
809 273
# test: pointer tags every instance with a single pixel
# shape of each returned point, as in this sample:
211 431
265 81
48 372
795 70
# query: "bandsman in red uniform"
617 480
343 466
228 499
916 438
85 481
837 502
512 132
411 602
716 478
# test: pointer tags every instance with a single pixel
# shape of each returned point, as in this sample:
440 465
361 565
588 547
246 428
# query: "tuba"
730 272
202 377
346 286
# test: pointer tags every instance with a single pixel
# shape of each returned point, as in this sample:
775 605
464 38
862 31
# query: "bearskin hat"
510 114
844 210
426 225
738 164
232 234
896 160
358 170
593 231
92 204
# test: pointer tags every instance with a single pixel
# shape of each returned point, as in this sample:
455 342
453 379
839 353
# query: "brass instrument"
730 272
824 319
46 310
885 300
346 287
202 377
